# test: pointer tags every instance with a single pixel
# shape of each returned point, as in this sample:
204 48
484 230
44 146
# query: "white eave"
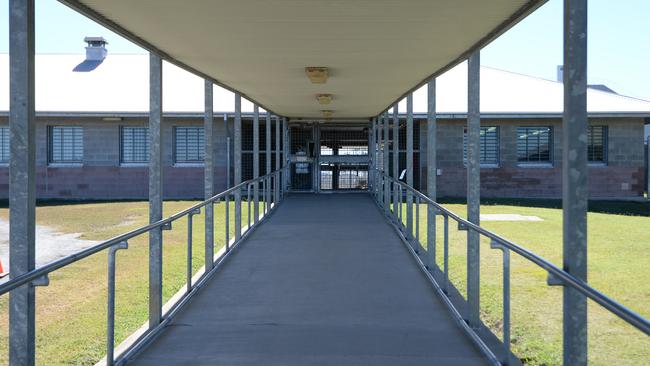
119 88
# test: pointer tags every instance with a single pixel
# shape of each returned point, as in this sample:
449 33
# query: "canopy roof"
376 51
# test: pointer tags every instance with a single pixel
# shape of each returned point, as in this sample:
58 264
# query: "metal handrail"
556 274
72 258
271 183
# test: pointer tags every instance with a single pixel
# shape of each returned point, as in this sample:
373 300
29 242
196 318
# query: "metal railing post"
506 299
248 199
188 274
446 253
227 208
417 222
110 311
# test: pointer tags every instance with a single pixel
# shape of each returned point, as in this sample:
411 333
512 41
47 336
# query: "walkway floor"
325 281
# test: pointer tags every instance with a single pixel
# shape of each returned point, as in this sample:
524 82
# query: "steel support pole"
277 157
155 189
431 172
225 123
574 179
473 187
409 166
371 156
237 164
256 162
395 154
647 168
22 171
285 148
208 166
386 162
267 139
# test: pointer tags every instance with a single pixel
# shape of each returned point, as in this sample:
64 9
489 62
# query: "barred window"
597 144
534 144
4 145
134 144
66 144
189 144
489 145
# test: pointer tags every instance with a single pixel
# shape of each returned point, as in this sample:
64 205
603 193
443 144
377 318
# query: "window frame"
605 143
498 148
538 163
50 147
4 139
200 151
147 141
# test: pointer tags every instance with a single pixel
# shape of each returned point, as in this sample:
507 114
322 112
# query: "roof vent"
95 54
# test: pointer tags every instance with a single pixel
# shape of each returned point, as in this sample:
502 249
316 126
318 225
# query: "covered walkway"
324 281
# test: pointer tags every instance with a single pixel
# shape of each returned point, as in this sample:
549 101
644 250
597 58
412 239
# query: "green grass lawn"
71 311
619 266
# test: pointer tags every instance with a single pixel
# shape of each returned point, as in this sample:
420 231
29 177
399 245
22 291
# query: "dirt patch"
50 244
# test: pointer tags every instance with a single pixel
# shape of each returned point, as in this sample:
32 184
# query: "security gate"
329 157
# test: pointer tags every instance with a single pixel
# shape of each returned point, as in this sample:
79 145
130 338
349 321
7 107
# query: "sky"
618 41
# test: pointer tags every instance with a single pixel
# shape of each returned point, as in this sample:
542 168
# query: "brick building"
92 135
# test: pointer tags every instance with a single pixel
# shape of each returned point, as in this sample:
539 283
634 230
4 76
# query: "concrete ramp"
325 281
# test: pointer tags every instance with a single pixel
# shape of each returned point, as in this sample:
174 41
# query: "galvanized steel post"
22 171
473 187
395 153
155 189
277 158
267 138
285 148
237 164
431 172
409 166
256 163
371 155
574 179
208 166
386 163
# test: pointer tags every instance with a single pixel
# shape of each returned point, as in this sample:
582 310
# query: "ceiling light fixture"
317 75
327 113
324 98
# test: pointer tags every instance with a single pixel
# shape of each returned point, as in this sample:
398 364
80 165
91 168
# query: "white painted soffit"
376 50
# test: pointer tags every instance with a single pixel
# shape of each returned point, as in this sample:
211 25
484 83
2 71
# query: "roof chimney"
560 73
95 54
96 49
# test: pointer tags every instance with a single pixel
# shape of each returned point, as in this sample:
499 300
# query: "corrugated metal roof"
120 84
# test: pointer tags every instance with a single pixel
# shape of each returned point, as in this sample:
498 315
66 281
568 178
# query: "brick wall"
101 176
620 177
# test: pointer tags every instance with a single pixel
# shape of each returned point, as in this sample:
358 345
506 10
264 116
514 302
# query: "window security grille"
134 144
597 144
66 144
534 144
4 145
189 144
489 145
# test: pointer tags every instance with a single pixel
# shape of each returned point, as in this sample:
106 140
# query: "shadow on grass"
628 208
